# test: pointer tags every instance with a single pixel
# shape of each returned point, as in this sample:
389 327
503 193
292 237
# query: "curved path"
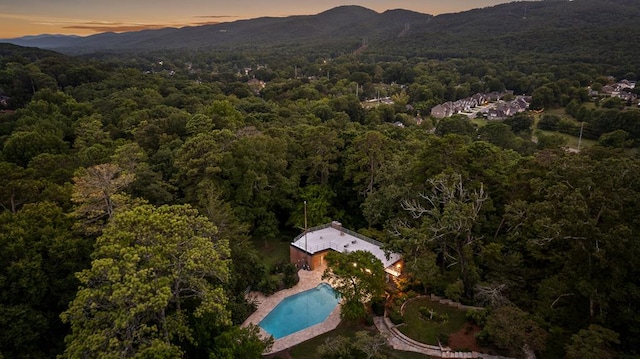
399 341
310 279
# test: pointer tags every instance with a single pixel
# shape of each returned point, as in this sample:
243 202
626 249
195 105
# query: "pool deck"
308 280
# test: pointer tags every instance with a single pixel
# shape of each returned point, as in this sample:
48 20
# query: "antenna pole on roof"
305 230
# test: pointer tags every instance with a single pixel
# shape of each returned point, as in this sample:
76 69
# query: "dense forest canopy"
101 152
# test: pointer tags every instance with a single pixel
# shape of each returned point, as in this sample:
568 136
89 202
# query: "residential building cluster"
489 105
621 89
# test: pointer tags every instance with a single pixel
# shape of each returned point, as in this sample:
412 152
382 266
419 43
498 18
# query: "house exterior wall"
299 257
317 260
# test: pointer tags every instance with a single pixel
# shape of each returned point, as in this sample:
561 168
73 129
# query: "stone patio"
308 280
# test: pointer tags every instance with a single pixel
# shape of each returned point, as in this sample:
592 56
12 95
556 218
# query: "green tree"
357 277
363 345
200 159
370 345
22 146
17 186
513 329
447 219
222 115
39 254
499 134
542 97
88 131
321 148
319 206
152 269
458 124
367 155
617 139
594 342
147 184
239 342
566 218
96 190
338 347
521 123
550 141
256 177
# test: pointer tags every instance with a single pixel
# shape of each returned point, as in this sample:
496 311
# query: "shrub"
336 347
277 267
290 280
269 284
400 299
290 275
377 306
443 338
483 338
427 313
403 283
454 290
478 317
368 320
430 314
443 318
396 317
240 308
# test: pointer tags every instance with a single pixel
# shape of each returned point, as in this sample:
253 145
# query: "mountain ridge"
347 27
343 21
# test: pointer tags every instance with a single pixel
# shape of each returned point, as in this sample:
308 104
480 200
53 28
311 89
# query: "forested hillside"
109 162
580 30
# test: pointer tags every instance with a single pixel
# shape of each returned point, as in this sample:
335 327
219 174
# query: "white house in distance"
311 246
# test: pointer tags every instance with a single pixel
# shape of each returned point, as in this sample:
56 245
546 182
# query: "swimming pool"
300 311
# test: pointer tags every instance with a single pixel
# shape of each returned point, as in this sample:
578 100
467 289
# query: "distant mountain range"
348 27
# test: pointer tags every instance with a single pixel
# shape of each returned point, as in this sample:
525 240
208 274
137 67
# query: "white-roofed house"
310 247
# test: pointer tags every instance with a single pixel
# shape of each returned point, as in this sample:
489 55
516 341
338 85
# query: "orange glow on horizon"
90 17
11 28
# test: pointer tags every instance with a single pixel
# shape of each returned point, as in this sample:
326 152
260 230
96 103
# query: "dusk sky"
86 17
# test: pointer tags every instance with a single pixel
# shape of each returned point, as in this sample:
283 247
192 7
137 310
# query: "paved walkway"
399 341
308 280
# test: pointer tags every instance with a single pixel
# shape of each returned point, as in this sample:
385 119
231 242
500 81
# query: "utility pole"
580 138
305 235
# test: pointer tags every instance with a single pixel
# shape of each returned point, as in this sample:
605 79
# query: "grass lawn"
426 331
308 349
572 141
557 111
273 251
480 122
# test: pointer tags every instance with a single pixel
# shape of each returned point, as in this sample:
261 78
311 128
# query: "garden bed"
435 321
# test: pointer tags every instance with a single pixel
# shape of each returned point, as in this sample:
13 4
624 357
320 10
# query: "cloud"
115 28
101 26
132 27
217 16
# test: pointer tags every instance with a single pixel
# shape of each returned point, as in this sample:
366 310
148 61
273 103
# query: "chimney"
337 225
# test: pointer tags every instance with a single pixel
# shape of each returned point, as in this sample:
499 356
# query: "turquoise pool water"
300 311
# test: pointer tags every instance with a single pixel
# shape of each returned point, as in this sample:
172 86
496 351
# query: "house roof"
333 236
